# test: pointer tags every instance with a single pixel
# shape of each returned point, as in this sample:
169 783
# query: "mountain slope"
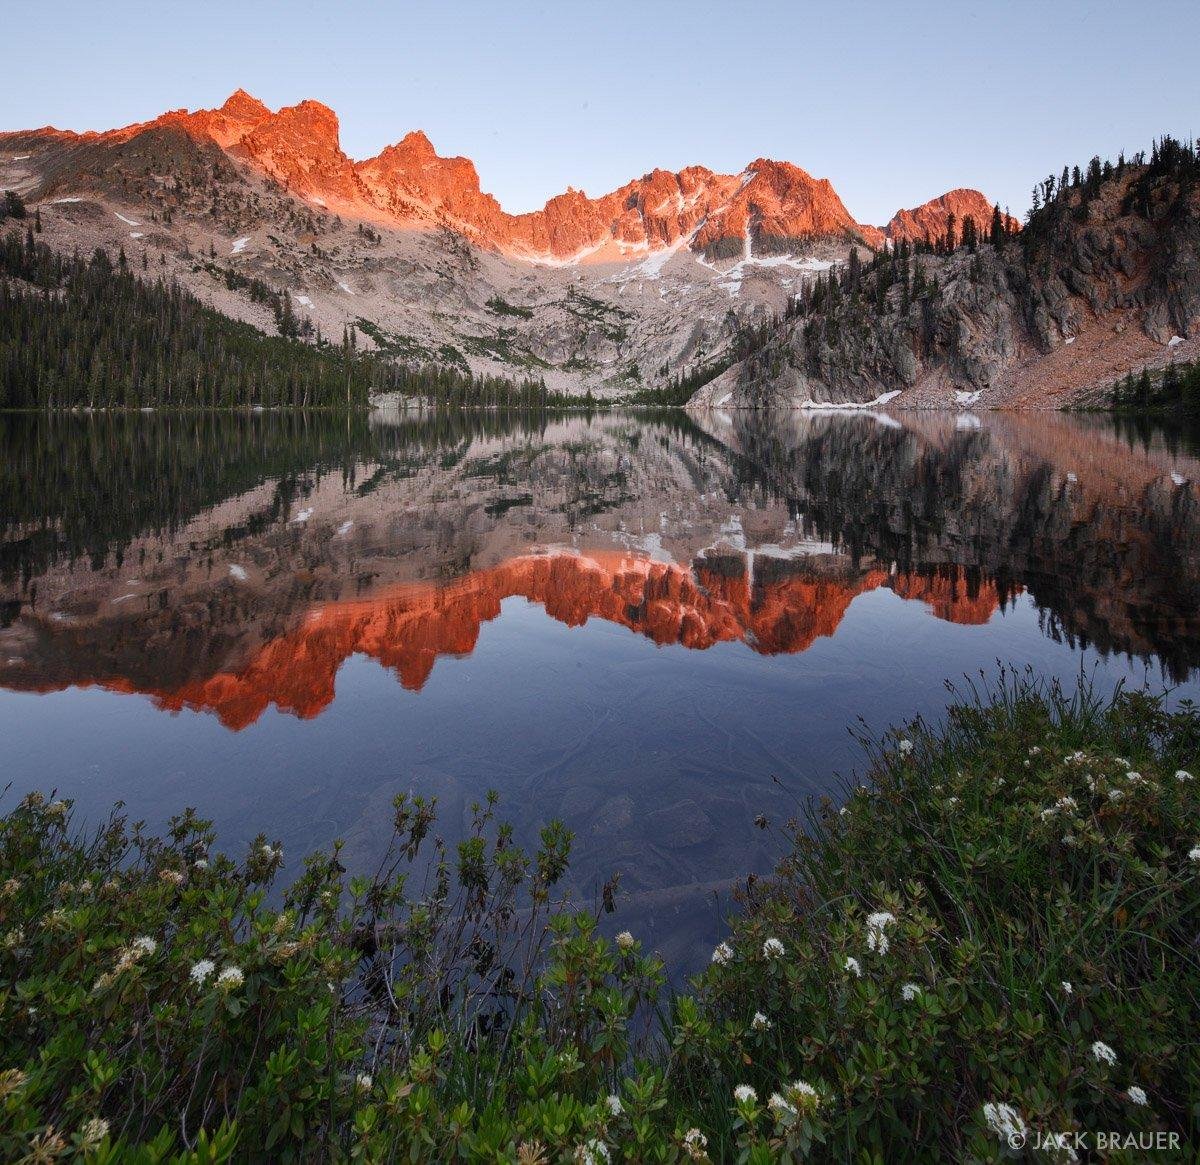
1105 277
611 294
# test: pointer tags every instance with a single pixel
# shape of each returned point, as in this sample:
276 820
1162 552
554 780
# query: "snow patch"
21 157
1072 478
137 235
129 221
1069 340
1174 340
1179 479
316 201
238 572
966 398
58 201
345 288
725 400
849 405
345 527
239 245
302 300
303 516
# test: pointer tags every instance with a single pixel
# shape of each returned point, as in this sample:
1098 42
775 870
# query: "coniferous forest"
92 333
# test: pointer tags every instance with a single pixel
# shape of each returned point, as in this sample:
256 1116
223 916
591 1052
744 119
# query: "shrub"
993 937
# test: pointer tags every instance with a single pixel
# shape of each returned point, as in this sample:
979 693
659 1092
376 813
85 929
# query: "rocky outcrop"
929 221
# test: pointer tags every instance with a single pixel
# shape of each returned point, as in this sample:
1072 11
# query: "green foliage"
76 333
1174 390
995 933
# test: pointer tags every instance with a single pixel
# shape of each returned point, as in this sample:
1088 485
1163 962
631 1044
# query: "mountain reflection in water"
231 564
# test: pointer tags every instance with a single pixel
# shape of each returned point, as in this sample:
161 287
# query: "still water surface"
652 628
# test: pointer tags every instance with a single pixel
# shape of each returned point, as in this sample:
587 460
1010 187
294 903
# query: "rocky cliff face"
1105 277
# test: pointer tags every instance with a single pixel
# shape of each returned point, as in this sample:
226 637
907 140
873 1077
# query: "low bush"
991 943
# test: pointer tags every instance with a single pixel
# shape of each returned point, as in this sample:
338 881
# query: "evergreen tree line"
92 333
1175 389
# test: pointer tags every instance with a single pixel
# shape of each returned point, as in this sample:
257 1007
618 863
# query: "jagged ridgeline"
94 333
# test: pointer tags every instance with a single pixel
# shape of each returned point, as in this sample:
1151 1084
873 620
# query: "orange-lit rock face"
409 628
930 219
773 204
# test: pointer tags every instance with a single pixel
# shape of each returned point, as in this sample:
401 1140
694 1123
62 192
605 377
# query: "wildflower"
12 885
804 1095
904 747
200 971
877 939
201 863
744 1094
174 877
57 808
1122 761
14 938
1183 775
144 945
760 1023
55 919
1067 988
625 941
269 853
93 1132
593 1153
772 949
84 887
614 1105
364 1081
695 1144
780 1107
1194 853
230 978
1004 1121
951 802
722 954
1137 1095
1103 1053
853 967
11 1080
1115 794
909 992
1035 751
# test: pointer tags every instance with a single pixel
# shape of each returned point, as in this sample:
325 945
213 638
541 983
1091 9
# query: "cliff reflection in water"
228 564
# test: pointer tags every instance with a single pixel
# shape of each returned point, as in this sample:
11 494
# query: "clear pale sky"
893 102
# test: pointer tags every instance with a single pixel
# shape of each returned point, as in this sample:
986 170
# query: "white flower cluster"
1004 1120
852 965
1183 775
625 942
593 1153
695 1144
614 1105
1103 1053
772 949
200 971
760 1023
877 924
722 954
909 992
744 1094
1137 1095
230 978
905 747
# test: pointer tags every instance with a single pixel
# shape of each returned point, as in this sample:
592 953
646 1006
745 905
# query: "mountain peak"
240 104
